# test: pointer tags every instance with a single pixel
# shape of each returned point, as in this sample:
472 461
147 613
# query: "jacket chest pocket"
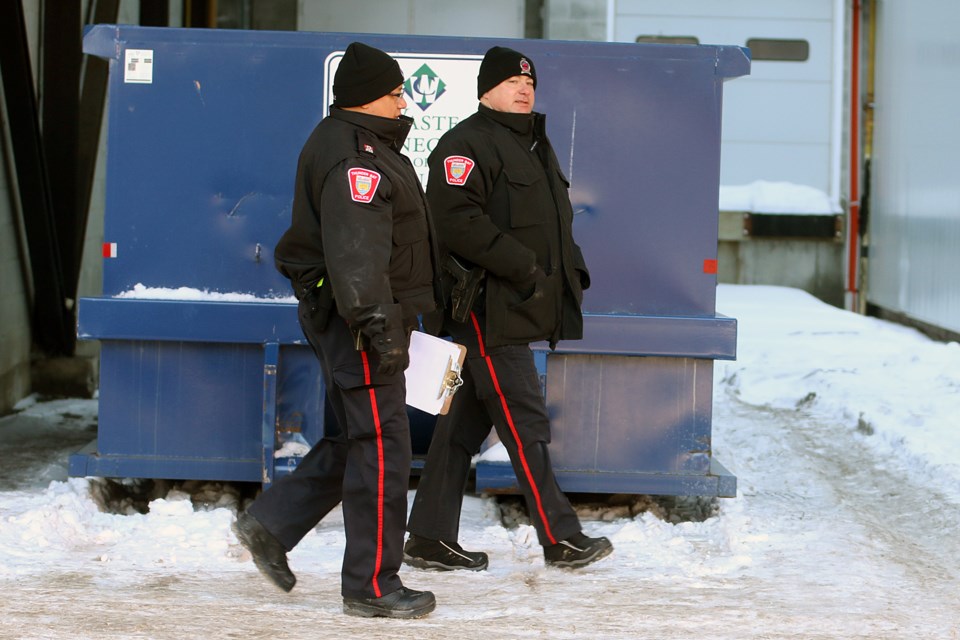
410 230
528 196
410 258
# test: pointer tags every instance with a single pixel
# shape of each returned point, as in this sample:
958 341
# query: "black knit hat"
501 63
364 75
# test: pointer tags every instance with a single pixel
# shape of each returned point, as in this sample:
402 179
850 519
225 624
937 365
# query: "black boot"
268 554
425 553
576 551
402 603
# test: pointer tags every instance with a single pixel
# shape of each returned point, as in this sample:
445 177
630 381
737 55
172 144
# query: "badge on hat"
363 184
458 169
525 66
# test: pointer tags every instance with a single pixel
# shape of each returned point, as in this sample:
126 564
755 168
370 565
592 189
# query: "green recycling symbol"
424 87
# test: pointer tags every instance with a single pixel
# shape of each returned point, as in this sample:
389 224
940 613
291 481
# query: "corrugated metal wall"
914 223
778 122
494 18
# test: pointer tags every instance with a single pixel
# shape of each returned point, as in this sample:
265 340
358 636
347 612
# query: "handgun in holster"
467 285
320 303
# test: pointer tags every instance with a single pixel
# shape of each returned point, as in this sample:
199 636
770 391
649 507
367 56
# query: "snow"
840 428
762 196
143 292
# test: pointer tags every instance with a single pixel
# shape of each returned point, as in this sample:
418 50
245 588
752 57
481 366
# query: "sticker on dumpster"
363 184
138 66
458 169
709 266
109 249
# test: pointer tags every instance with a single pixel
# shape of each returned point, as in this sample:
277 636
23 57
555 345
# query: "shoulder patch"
457 169
363 184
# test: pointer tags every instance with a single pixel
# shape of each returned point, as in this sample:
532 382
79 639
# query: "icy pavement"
821 543
845 525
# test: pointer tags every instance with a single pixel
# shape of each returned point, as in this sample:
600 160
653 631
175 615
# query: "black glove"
391 347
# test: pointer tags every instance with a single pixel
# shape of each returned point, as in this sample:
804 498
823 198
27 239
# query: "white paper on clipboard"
434 372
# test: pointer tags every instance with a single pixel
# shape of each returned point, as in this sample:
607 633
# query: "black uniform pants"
363 461
500 387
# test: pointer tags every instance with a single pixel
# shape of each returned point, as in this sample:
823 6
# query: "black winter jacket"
500 201
360 223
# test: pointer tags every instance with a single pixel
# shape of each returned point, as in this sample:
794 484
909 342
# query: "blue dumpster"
204 371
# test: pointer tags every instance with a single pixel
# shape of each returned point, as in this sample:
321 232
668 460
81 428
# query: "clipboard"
434 372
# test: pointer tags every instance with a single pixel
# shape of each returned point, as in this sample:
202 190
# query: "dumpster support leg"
271 357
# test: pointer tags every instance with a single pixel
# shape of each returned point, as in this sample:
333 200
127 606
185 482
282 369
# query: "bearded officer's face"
513 95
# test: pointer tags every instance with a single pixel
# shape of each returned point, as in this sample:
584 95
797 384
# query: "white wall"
915 195
778 121
575 20
488 18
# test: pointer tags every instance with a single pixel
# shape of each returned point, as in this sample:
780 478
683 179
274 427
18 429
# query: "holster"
467 283
320 304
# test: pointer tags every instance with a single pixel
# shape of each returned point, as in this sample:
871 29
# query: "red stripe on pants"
513 429
376 423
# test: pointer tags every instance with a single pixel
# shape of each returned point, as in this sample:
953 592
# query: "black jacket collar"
519 123
393 132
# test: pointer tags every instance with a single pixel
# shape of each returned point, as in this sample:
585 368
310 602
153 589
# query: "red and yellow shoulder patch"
457 169
363 184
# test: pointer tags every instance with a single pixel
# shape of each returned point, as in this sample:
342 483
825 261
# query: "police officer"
362 258
500 202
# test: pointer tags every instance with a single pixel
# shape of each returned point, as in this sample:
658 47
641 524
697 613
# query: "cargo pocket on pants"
355 385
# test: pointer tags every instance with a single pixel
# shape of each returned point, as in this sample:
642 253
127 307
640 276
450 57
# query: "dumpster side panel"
642 153
621 414
220 130
166 399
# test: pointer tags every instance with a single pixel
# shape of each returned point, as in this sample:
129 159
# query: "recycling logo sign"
424 87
